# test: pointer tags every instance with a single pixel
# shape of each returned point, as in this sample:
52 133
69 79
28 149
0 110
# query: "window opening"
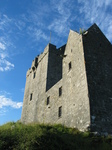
60 111
70 65
48 100
34 75
60 91
31 96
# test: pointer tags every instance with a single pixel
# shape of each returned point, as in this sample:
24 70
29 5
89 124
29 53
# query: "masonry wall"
76 110
98 60
49 113
54 71
35 86
74 102
51 110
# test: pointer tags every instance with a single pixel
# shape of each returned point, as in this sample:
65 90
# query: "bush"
17 136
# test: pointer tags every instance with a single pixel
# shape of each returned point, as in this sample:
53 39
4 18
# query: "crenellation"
72 84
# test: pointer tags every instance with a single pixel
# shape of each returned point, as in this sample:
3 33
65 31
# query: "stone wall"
75 92
35 86
54 71
98 60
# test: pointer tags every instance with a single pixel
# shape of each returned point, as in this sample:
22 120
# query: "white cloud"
40 34
62 7
1 69
37 33
20 24
4 22
4 93
3 111
5 65
7 102
3 55
55 17
61 24
2 46
97 12
5 42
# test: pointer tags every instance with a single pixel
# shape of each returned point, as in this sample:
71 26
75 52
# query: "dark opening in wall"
60 111
34 74
70 65
48 100
31 95
60 91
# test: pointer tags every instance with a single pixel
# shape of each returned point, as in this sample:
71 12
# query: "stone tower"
72 85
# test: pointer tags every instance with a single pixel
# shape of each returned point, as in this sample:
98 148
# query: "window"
70 65
60 111
48 100
31 96
34 74
60 91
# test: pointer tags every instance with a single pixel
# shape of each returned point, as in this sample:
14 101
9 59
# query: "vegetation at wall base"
17 136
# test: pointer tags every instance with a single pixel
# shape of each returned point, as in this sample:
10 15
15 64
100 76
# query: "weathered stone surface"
72 85
98 60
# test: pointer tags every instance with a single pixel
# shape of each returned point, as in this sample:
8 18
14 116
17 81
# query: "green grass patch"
17 136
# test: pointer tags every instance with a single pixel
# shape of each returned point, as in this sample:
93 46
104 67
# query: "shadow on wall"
98 61
54 71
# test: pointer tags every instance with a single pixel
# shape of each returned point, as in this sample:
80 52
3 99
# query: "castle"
72 85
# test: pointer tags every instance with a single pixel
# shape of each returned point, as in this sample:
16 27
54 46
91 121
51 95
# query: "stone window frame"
60 111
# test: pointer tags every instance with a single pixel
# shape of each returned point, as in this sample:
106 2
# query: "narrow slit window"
34 74
48 100
70 65
31 95
60 91
60 111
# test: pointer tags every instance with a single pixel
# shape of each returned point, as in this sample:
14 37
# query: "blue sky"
25 27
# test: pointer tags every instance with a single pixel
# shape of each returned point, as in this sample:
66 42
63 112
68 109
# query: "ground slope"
16 136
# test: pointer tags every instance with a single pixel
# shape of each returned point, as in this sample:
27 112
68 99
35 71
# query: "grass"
17 136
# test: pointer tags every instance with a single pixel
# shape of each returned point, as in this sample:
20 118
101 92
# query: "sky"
25 27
